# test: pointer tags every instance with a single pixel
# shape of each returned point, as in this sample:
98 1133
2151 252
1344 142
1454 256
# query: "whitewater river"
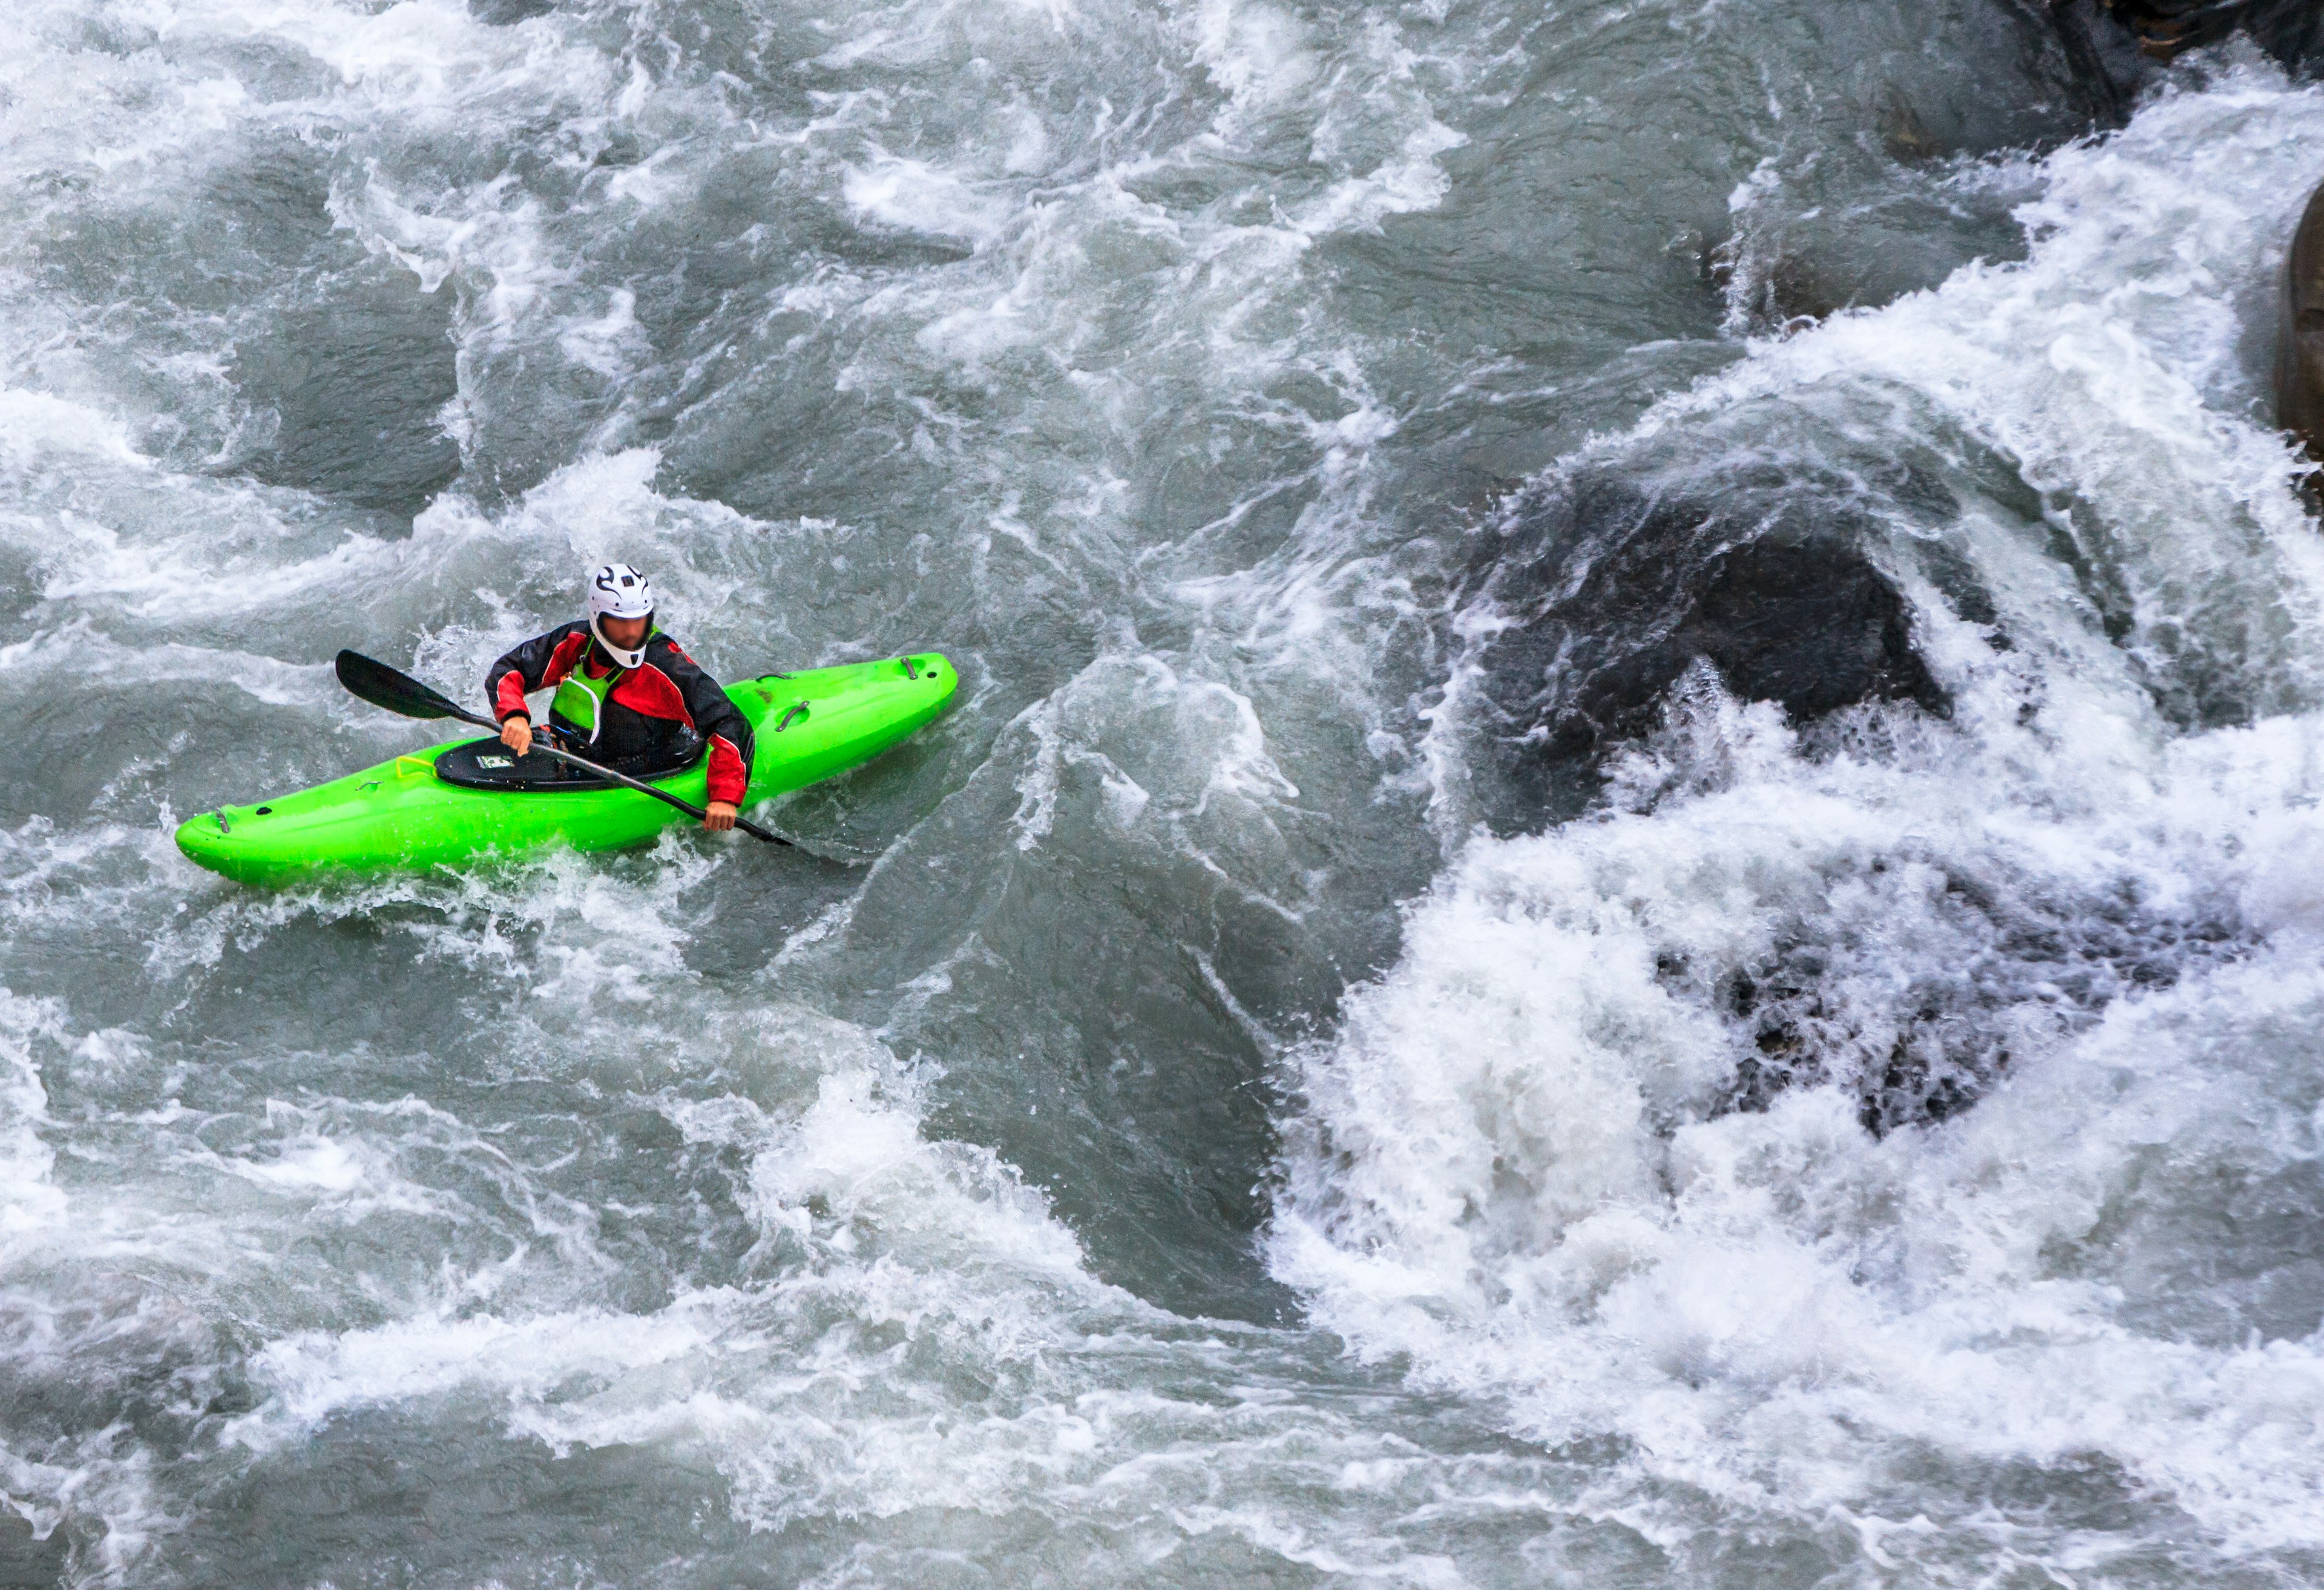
1249 1098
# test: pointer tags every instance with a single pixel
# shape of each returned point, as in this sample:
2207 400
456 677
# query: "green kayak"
466 798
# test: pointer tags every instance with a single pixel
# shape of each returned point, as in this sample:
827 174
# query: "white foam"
314 1374
29 1200
35 423
1254 50
914 197
868 1228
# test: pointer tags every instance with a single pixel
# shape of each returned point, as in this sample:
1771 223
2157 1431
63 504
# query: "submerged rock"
2025 962
2299 351
1603 595
1601 604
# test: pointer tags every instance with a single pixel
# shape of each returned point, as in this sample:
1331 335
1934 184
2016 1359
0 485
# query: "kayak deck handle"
798 710
911 670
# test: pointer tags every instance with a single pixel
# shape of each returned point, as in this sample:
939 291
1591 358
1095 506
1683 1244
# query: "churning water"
1240 1101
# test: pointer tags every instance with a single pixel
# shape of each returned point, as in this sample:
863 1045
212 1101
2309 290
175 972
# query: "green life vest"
580 700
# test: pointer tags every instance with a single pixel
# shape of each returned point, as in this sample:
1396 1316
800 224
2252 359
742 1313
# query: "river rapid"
1227 1105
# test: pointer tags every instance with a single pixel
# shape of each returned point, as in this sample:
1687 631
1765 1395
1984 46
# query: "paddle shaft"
404 694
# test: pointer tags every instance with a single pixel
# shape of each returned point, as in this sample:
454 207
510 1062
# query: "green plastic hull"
399 816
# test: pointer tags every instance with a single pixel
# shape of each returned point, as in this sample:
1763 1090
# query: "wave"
1844 1104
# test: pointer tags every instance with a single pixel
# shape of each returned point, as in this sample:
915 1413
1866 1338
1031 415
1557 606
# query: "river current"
1225 1106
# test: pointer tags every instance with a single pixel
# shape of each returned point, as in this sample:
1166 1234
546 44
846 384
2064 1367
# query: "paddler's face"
629 634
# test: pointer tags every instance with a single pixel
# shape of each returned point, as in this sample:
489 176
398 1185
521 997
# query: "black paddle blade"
398 692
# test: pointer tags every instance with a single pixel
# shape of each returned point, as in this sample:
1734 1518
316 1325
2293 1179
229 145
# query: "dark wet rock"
1607 595
2300 352
1904 134
1789 287
2291 31
2104 57
2023 963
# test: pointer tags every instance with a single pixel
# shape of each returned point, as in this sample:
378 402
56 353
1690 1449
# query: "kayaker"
626 694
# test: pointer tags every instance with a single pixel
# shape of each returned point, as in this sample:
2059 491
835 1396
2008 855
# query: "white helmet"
617 591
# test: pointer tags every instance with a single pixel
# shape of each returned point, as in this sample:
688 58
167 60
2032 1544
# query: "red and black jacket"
651 715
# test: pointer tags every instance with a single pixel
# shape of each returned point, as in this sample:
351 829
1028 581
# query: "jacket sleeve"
519 671
719 721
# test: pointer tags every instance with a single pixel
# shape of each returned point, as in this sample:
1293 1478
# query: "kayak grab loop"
798 710
910 670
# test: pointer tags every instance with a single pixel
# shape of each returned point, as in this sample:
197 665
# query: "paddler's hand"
718 817
517 735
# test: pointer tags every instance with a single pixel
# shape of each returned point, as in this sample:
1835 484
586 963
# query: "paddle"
383 686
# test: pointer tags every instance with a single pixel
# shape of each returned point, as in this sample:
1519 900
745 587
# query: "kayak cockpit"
488 765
